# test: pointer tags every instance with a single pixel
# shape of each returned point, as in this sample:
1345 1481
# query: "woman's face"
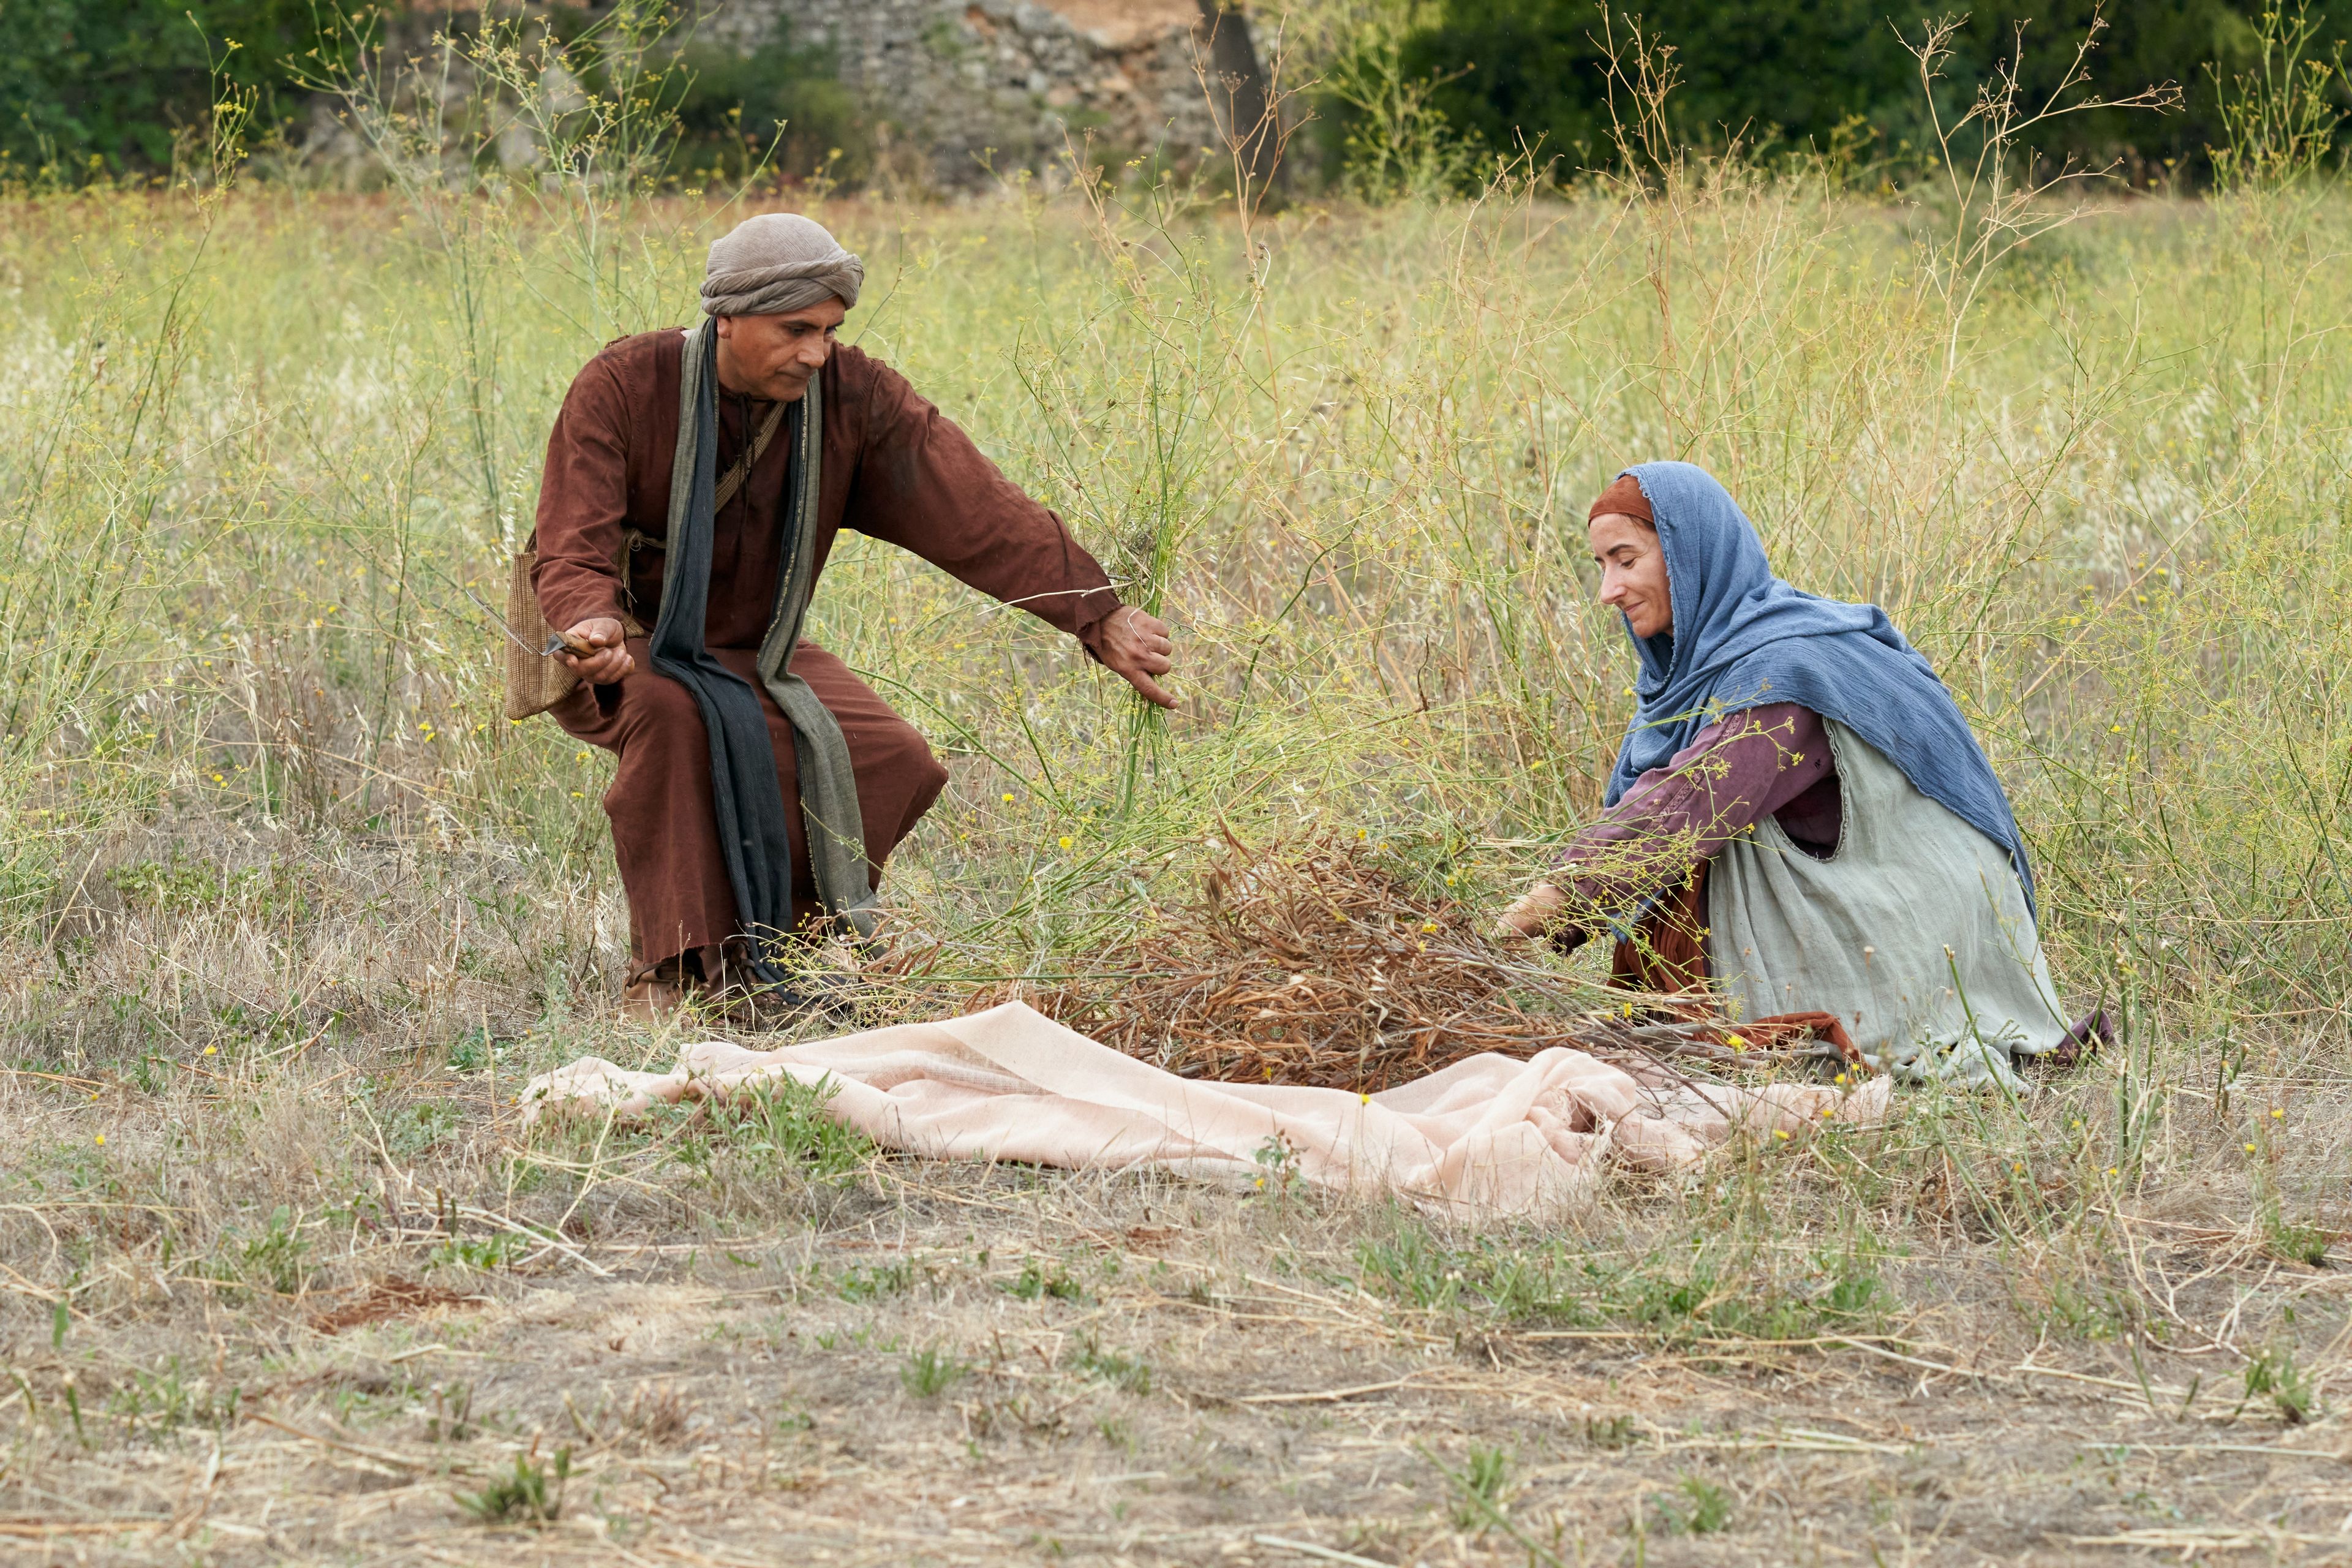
1633 572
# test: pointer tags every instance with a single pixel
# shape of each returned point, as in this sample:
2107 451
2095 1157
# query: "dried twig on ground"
1318 962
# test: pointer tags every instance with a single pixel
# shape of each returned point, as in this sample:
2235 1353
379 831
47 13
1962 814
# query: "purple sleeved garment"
1761 761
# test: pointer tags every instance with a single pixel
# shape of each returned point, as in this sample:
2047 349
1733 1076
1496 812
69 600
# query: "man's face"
773 357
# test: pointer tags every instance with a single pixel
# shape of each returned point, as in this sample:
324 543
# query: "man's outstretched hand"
1138 648
611 659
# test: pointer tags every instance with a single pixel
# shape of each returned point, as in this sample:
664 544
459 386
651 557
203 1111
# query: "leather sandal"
655 996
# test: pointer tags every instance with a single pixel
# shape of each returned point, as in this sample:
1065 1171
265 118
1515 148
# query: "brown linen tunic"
894 469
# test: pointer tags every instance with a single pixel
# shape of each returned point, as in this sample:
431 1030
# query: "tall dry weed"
264 449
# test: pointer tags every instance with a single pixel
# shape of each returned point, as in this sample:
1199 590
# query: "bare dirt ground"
918 1364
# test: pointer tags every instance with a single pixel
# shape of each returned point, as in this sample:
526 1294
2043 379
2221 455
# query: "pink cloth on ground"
1490 1134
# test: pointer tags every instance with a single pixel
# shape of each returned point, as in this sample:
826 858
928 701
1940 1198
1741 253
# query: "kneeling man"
695 482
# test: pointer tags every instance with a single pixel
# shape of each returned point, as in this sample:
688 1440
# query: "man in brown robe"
892 467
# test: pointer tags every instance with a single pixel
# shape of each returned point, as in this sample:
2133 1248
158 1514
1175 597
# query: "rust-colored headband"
1625 498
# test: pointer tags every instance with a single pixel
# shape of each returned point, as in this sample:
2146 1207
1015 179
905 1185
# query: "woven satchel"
536 681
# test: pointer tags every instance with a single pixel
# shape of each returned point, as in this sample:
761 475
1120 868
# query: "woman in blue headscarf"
1799 815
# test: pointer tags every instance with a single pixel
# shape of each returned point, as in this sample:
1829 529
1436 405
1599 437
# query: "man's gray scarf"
746 794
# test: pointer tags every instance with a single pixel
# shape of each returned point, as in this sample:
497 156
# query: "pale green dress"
1915 932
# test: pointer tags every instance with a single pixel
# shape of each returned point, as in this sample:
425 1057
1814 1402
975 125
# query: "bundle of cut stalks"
1319 965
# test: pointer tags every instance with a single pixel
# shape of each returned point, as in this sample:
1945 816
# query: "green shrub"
1481 1488
274 1257
109 87
1695 1507
928 1372
1782 77
533 1494
780 109
782 1125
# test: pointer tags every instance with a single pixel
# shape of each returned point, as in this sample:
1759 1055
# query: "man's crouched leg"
899 779
665 835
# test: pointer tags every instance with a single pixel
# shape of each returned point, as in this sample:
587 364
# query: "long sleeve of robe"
894 468
1644 859
1746 766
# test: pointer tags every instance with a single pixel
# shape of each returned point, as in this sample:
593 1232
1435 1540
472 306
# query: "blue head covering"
1743 639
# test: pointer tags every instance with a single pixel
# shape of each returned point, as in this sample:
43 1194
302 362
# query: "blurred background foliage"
104 88
1411 93
780 107
1835 77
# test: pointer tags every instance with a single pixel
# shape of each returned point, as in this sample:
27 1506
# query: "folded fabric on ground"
1491 1134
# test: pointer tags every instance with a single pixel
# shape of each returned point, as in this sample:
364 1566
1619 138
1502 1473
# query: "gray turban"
778 262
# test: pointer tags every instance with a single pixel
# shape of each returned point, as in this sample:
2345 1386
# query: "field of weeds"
289 913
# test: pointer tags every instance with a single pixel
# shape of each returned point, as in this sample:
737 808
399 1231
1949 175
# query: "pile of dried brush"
1320 963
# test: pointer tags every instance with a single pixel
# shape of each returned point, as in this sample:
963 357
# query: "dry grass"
316 1297
901 1362
1326 961
288 915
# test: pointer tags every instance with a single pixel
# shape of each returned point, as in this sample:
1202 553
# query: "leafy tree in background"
99 87
106 85
780 107
104 88
1788 74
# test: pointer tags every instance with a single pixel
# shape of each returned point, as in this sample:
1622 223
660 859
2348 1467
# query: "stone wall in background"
970 85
